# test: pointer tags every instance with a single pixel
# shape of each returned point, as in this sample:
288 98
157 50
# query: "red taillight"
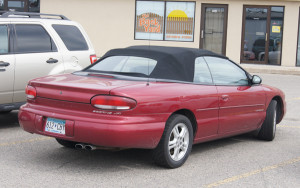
106 102
93 58
30 92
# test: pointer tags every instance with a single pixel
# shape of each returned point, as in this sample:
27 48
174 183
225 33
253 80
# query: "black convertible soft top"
174 63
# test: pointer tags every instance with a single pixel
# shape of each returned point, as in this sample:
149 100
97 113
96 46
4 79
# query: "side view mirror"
256 79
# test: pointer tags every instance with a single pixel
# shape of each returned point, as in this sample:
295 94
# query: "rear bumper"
141 131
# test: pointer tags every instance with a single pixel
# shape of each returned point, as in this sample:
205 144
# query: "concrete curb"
271 69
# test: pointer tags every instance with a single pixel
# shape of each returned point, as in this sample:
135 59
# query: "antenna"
148 79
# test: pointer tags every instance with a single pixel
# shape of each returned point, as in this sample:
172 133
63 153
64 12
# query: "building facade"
247 31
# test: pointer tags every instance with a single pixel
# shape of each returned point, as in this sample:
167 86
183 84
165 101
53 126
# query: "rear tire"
176 142
66 143
268 128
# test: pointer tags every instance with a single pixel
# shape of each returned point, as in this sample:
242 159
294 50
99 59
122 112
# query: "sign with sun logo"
165 20
180 21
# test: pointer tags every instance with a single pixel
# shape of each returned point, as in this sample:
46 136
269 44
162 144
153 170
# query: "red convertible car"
163 98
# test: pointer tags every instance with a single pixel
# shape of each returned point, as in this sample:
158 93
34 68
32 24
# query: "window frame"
15 48
164 29
296 65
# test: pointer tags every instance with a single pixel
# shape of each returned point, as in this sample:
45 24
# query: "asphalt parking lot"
28 160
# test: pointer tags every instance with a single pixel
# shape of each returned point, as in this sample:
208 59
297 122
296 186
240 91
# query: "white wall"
110 24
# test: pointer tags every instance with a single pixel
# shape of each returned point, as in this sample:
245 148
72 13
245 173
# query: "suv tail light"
30 92
93 58
106 102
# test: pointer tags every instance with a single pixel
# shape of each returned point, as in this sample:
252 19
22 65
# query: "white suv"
34 45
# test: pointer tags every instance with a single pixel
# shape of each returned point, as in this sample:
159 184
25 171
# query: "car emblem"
60 92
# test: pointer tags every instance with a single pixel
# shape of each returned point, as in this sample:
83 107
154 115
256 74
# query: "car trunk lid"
75 88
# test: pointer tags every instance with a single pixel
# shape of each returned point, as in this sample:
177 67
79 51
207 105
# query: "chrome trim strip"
204 109
242 106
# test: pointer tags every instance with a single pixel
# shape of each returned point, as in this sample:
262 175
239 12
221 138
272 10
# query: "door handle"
4 64
225 97
51 60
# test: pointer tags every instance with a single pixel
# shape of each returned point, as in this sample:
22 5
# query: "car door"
7 65
206 101
36 55
241 104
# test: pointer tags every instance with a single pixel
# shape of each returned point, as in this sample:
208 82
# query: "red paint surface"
219 111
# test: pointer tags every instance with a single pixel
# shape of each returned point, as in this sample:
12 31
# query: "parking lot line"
289 126
254 172
293 99
24 141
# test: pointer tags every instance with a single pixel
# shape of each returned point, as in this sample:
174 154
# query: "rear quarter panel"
162 98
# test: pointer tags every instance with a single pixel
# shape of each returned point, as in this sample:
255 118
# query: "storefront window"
20 5
160 20
1 5
262 37
275 41
149 20
34 5
180 21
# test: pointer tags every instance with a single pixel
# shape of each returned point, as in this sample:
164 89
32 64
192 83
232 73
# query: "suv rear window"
72 37
33 39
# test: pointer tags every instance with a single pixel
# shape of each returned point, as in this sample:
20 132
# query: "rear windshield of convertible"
139 66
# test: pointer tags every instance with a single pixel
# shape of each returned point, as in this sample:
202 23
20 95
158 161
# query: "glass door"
255 34
213 28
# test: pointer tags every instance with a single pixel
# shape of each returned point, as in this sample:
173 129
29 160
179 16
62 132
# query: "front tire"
176 142
66 143
268 128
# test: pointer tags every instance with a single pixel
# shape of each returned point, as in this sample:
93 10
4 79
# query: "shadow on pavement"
112 161
8 120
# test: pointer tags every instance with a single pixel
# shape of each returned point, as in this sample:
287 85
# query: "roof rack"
31 15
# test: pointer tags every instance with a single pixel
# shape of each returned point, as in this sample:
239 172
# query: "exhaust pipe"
79 146
90 147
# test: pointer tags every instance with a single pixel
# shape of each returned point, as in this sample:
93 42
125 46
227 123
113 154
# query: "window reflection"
1 4
255 31
32 39
225 72
256 35
275 40
34 5
3 39
20 5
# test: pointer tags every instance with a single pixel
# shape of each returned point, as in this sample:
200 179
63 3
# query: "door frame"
202 25
267 35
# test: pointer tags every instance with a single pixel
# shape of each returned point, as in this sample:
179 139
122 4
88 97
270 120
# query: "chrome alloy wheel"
178 141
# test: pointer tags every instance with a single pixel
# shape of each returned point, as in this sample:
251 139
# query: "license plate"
55 126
